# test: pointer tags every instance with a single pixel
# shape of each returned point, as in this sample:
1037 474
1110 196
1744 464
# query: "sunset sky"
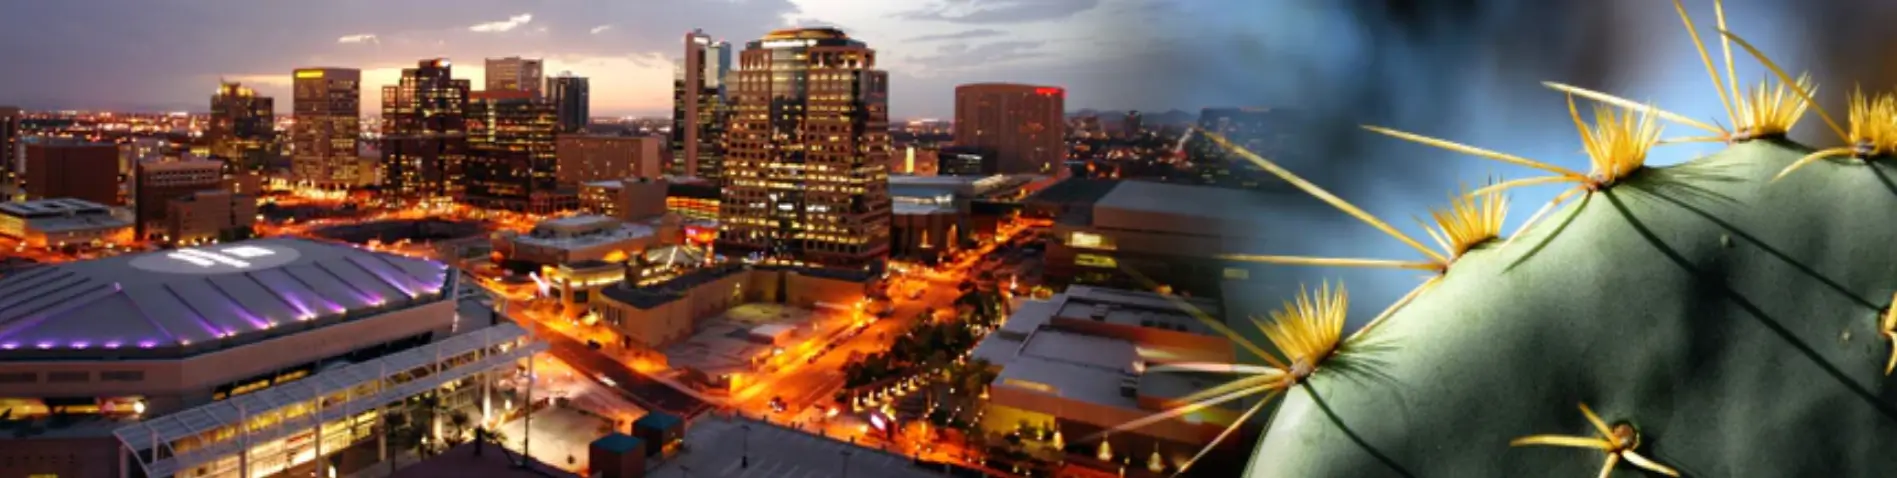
146 55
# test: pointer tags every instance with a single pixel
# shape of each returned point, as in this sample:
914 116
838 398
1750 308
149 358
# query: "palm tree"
458 425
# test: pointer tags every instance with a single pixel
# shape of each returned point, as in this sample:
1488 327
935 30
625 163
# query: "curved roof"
818 33
216 296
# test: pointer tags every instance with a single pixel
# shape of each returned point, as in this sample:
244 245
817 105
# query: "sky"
166 56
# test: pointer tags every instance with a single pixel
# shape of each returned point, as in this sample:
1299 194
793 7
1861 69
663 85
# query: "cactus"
1726 316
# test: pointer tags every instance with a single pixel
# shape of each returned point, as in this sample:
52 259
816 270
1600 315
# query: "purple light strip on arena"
365 296
332 305
66 304
197 316
302 311
398 285
148 319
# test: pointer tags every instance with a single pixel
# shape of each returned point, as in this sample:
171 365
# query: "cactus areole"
1762 358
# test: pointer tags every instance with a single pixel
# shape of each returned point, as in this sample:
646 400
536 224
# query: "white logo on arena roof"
248 252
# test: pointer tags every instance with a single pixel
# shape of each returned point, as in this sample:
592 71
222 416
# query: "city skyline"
627 50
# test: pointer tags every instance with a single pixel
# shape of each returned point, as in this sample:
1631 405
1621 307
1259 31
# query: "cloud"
962 56
961 35
599 29
363 38
501 26
1000 11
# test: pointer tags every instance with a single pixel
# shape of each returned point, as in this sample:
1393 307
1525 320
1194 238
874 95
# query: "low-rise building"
204 216
1173 236
1078 363
627 199
575 284
660 315
935 215
579 238
64 221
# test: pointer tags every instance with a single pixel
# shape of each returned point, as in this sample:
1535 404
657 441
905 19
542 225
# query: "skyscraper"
1022 124
807 166
510 150
328 120
514 73
12 156
424 133
699 108
570 101
243 125
1132 124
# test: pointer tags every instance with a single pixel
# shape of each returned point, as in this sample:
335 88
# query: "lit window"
1096 260
1232 273
1088 240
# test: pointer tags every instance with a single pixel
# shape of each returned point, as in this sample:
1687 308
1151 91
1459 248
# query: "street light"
846 462
745 462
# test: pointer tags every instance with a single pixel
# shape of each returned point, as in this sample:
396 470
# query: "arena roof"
188 301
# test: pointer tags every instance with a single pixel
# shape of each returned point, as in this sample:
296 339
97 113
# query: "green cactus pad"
1731 318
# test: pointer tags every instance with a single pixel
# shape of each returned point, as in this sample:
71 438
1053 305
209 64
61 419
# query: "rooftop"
806 33
917 209
189 301
1235 205
51 207
718 445
583 231
1078 191
1067 380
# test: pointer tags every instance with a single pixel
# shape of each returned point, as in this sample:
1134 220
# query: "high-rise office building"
510 150
1022 124
570 101
63 168
243 125
328 122
699 108
12 156
424 133
1132 124
514 74
806 171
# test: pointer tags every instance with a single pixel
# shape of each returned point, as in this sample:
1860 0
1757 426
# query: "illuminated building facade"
699 108
11 156
328 122
156 184
631 199
424 128
692 198
572 100
210 215
1023 124
243 125
510 150
806 165
64 221
514 74
598 158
